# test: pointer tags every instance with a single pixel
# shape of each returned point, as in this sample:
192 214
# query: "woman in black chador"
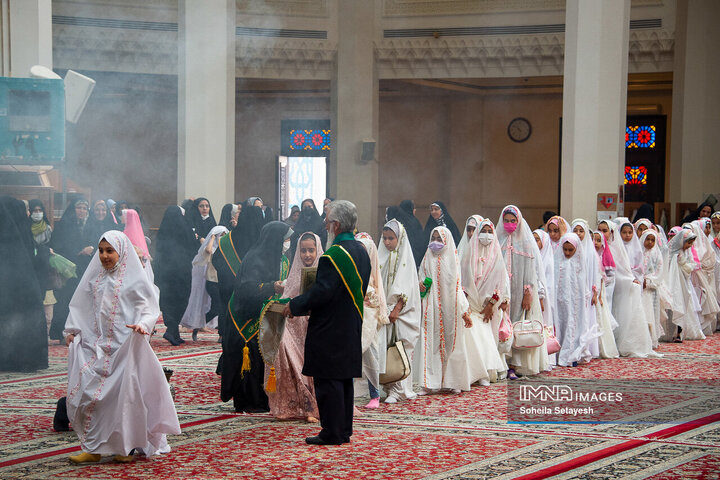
71 239
22 318
439 217
202 217
176 248
258 280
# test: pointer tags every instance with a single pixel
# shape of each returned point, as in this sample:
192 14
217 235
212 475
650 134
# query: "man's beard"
330 239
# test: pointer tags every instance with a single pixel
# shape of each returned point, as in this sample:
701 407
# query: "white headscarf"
483 270
400 282
521 262
633 248
592 267
704 249
562 224
292 285
445 303
474 220
107 300
572 303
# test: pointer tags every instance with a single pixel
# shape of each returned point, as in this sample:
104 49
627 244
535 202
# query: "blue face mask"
435 247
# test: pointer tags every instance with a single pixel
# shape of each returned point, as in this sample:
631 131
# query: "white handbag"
397 365
528 333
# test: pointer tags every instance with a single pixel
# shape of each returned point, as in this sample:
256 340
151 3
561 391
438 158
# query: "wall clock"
519 129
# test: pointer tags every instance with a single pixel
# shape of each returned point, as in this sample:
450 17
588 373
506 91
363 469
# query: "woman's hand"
69 339
87 251
422 287
138 329
527 300
286 311
467 320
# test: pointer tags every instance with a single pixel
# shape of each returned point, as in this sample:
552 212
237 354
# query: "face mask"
486 238
37 216
436 246
510 227
205 217
286 246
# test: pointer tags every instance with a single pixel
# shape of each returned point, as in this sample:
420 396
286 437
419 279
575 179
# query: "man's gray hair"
343 212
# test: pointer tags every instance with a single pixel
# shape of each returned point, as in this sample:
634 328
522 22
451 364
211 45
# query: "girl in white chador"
118 399
547 258
603 312
654 293
375 317
632 336
521 255
704 277
486 284
195 316
592 282
632 247
685 305
572 302
444 311
714 238
470 225
607 229
400 282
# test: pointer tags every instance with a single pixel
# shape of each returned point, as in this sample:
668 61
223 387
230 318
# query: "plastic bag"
63 266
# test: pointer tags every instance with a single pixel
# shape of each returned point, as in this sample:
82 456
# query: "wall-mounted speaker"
368 151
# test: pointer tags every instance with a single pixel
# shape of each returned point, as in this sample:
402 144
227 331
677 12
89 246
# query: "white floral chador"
117 398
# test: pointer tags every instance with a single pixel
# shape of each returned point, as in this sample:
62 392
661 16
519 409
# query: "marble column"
594 103
206 101
694 161
354 107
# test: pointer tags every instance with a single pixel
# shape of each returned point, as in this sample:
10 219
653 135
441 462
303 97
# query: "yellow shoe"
123 458
85 457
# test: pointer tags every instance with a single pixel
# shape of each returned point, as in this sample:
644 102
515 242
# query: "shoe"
170 338
316 440
484 383
511 375
455 390
85 457
425 391
374 403
123 458
391 399
194 335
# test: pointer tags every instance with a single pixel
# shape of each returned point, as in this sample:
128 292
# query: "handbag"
528 333
397 365
553 346
505 332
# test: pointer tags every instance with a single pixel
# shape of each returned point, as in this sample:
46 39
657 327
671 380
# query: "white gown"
118 398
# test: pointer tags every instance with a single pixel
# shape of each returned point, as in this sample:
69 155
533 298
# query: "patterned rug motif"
674 401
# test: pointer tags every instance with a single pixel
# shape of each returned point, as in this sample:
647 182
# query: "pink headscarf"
134 231
606 256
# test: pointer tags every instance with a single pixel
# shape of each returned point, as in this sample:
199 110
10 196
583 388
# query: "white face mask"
485 238
286 246
36 216
204 217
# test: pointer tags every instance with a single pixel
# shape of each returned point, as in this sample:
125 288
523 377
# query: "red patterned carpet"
669 428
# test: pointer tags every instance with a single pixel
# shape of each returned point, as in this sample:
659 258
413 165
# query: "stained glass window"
640 136
309 140
636 175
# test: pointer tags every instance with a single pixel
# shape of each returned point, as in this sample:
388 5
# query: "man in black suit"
333 355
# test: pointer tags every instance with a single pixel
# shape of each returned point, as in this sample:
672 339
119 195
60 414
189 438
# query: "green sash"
227 249
346 268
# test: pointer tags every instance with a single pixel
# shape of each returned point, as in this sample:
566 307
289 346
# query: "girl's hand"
467 320
69 339
87 251
422 287
487 312
526 301
138 329
278 286
504 306
594 298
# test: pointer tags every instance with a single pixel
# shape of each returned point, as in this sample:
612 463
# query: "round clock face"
519 129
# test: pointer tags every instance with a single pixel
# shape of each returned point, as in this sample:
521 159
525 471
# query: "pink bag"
553 346
505 332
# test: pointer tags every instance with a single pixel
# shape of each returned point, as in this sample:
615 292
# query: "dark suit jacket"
333 343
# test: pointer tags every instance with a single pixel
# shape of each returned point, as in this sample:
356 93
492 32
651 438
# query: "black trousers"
335 398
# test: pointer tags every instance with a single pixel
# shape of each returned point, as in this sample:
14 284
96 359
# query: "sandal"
511 375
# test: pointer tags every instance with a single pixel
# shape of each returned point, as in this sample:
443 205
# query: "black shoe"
194 334
316 440
173 340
